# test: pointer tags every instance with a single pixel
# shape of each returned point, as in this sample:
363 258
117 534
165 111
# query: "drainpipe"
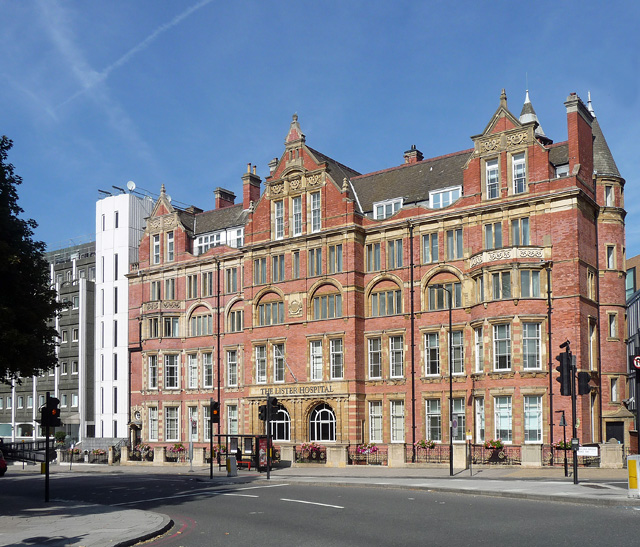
413 368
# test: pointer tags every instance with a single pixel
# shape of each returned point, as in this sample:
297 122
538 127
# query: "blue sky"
95 94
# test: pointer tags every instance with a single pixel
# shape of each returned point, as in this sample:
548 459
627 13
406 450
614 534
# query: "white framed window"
434 420
278 363
207 370
74 400
492 173
608 196
479 350
297 215
2 405
613 325
65 337
171 423
207 241
503 418
193 423
192 370
281 425
502 347
75 302
322 424
385 209
206 423
336 358
155 251
170 247
438 199
171 371
9 402
530 283
562 170
21 400
531 346
432 354
457 343
315 351
375 421
152 380
74 367
232 368
261 364
315 212
64 368
520 234
375 358
235 237
532 419
493 235
615 392
397 421
278 219
454 244
519 172
396 355
153 423
430 248
459 416
479 409
394 254
611 257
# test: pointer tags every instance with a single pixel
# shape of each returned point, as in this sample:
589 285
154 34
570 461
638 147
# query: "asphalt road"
261 514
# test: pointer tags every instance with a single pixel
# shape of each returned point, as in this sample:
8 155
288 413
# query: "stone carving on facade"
295 308
314 180
509 253
295 184
171 304
150 306
491 144
517 138
530 253
276 189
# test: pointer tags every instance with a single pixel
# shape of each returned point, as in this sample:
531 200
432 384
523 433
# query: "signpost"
636 365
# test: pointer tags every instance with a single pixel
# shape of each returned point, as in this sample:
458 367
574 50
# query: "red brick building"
329 289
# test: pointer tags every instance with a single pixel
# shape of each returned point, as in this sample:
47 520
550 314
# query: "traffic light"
583 383
565 373
273 406
215 412
50 413
262 412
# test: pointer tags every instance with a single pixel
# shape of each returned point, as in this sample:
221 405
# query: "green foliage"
27 303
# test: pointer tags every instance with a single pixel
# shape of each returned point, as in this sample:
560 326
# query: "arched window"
201 322
235 322
322 424
327 303
281 425
438 295
270 311
385 299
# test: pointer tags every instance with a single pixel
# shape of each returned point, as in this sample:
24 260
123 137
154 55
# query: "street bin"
633 468
43 469
232 466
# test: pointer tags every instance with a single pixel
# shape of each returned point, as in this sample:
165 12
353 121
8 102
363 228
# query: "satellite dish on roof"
131 186
168 198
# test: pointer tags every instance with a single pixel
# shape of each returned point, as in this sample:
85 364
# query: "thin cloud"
98 77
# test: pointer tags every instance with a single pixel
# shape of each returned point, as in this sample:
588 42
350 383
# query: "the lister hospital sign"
290 390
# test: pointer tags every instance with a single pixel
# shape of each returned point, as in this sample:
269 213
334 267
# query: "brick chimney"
580 134
413 155
250 187
224 198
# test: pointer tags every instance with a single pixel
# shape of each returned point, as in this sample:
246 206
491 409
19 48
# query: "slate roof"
559 154
218 219
337 171
603 162
413 182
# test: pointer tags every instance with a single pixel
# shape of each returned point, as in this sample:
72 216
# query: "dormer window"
207 241
445 197
562 170
384 209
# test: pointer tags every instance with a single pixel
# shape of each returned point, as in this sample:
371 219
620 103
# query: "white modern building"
119 225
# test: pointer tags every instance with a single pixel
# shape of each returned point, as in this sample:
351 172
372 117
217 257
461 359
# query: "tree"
27 302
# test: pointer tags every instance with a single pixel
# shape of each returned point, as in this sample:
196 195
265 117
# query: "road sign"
636 361
591 451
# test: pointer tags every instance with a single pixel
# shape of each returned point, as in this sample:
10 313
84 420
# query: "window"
439 297
297 215
502 347
443 198
593 343
334 264
386 303
116 219
153 423
611 257
201 324
520 232
384 209
375 421
104 223
295 265
171 329
613 325
533 419
454 244
337 359
493 235
493 179
479 350
75 302
373 257
277 274
322 424
608 196
170 247
430 248
432 354
172 424
207 284
206 422
529 283
235 321
397 421
115 366
501 284
74 367
375 358
74 400
171 370
278 224
170 289
155 290
327 306
192 371
232 419
479 408
480 289
21 401
207 369
261 364
396 354
235 237
64 368
459 415
315 262
315 351
615 394
193 423
153 371
281 425
434 420
259 271
207 241
394 254
458 353
74 335
502 418
519 170
115 299
562 170
155 252
231 277
315 212
531 346
192 286
232 368
9 402
2 406
278 362
591 284
154 327
65 337
115 333
270 313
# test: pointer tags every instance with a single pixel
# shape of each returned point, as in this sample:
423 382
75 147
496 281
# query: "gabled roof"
412 182
337 170
218 219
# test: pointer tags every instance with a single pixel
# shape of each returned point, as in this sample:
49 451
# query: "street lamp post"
450 360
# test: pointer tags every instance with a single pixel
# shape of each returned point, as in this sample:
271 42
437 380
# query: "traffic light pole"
574 397
268 437
46 455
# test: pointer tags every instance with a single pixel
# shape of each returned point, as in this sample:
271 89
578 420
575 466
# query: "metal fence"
318 455
378 455
439 453
507 455
555 456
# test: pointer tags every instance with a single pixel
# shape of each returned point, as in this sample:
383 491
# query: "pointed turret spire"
603 162
589 107
503 98
528 115
295 133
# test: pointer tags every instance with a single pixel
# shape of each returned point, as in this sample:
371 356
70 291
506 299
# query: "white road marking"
313 503
242 495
